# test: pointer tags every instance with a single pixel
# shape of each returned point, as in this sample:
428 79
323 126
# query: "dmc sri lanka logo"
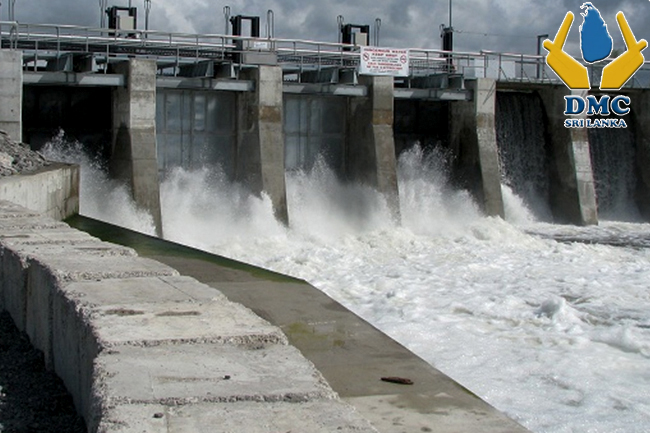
596 45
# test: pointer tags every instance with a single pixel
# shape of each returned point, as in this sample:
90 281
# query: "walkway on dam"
351 354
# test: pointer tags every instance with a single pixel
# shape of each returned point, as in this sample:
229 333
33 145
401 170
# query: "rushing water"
613 157
523 152
555 334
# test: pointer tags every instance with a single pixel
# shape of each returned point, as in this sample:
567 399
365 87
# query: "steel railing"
40 41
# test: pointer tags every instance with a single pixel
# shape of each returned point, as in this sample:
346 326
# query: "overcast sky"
503 25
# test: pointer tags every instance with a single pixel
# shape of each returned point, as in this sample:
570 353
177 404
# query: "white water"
556 335
101 197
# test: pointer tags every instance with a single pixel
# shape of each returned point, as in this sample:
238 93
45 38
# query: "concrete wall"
260 138
11 93
134 157
52 191
371 146
573 195
141 348
473 140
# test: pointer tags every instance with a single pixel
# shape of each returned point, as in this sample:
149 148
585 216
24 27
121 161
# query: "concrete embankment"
350 353
52 190
141 348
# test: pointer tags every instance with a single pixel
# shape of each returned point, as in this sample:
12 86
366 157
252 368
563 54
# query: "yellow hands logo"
575 75
624 66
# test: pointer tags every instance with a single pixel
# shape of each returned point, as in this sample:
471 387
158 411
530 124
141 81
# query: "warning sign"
384 61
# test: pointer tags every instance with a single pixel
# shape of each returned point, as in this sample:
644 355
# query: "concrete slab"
19 246
52 266
12 210
176 375
48 236
153 311
80 267
29 223
312 417
128 291
174 323
90 247
91 316
13 285
74 349
194 289
410 413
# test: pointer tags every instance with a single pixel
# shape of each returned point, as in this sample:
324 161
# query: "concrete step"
310 417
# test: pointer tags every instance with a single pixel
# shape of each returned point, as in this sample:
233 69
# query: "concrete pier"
11 92
473 139
134 157
260 138
371 145
573 195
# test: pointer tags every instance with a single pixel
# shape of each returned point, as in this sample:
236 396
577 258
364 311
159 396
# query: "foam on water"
101 197
555 334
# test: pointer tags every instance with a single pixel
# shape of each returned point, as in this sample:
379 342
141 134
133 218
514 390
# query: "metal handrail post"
176 67
106 63
318 56
58 42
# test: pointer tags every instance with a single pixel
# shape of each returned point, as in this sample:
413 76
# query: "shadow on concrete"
32 399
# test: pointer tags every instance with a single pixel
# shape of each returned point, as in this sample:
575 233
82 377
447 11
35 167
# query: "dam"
230 100
282 121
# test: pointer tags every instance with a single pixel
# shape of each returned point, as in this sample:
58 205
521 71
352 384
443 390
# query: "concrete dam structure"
148 102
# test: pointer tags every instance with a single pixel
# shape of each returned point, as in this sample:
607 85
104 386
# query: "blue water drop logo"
595 41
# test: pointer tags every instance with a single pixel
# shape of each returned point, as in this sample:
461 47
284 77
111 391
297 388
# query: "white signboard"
393 62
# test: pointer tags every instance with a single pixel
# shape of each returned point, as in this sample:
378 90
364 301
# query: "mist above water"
102 198
554 334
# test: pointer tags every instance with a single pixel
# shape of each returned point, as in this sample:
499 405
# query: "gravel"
18 157
32 399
